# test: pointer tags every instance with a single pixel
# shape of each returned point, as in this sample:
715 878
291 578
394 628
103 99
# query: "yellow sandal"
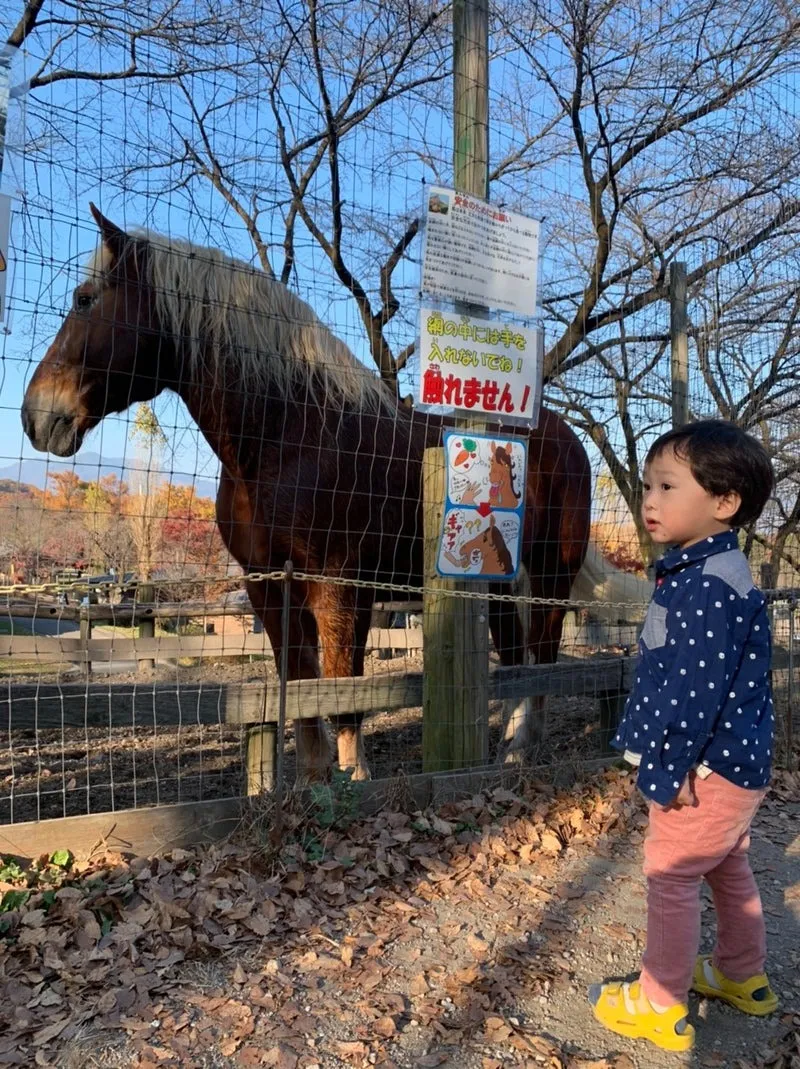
753 996
615 1007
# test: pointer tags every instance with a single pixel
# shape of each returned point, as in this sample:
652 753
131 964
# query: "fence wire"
236 370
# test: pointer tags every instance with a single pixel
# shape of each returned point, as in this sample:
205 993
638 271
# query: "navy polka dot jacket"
701 694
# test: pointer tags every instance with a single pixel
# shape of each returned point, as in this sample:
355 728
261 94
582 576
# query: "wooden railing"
84 647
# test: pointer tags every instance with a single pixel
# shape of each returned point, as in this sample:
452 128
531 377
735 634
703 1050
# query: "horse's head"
478 546
488 548
108 353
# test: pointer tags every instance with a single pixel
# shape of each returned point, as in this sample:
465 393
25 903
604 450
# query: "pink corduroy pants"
683 846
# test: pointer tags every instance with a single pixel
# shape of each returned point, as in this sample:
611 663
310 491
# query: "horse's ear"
509 447
491 520
114 239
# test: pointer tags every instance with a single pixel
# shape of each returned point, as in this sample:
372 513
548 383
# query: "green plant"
13 900
10 870
336 805
312 847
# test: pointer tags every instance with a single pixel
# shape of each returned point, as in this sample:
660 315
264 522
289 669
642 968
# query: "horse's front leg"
520 715
314 750
343 619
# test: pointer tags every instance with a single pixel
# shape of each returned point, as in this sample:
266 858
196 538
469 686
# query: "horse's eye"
83 300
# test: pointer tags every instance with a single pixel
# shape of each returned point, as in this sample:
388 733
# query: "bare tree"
659 135
268 107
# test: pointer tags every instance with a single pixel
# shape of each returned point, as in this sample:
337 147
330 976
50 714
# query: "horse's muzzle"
51 432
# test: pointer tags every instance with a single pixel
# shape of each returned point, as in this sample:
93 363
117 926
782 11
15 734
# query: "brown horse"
320 463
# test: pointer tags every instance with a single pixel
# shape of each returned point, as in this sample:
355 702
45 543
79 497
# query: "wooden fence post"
455 729
679 344
85 624
145 593
262 758
266 742
455 685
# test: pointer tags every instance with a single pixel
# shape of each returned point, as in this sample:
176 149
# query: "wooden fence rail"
83 649
78 705
257 705
252 706
130 614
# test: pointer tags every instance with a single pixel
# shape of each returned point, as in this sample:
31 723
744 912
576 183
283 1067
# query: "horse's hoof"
359 773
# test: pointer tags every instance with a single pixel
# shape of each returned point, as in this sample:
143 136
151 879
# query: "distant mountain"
90 467
11 486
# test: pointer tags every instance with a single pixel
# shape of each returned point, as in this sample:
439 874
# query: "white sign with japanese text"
480 366
480 254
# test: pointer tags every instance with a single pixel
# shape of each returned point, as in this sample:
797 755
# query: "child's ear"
728 505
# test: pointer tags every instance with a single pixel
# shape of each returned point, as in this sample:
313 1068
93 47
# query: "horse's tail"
618 595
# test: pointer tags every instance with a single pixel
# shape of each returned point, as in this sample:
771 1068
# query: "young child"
699 725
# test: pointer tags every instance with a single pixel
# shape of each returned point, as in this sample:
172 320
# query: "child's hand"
685 795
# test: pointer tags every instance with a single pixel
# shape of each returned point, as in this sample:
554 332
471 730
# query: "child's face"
676 508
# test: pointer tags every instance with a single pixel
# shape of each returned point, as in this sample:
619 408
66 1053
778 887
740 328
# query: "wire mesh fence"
241 324
184 732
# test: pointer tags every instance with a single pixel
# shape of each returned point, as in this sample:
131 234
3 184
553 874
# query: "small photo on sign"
485 506
439 203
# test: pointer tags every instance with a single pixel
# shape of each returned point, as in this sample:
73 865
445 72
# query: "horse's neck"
253 430
235 424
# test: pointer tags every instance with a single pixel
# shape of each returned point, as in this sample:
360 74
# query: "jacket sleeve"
699 660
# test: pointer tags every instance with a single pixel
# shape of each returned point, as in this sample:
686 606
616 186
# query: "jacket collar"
706 547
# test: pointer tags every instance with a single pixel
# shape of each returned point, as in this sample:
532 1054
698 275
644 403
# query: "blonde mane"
234 323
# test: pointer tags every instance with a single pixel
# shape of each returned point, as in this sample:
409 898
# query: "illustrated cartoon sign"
485 506
479 366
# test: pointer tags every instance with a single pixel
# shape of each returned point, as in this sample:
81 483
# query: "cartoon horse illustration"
502 494
490 545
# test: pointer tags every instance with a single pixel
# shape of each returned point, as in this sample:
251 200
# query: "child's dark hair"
722 457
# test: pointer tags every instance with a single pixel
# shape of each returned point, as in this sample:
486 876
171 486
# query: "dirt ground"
464 937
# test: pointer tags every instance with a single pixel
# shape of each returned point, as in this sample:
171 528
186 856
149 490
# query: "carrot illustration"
466 452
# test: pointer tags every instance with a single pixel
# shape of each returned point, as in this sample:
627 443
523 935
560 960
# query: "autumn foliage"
92 525
619 545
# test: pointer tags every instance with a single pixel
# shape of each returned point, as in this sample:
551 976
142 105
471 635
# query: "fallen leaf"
478 946
351 1049
50 1032
551 844
385 1027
